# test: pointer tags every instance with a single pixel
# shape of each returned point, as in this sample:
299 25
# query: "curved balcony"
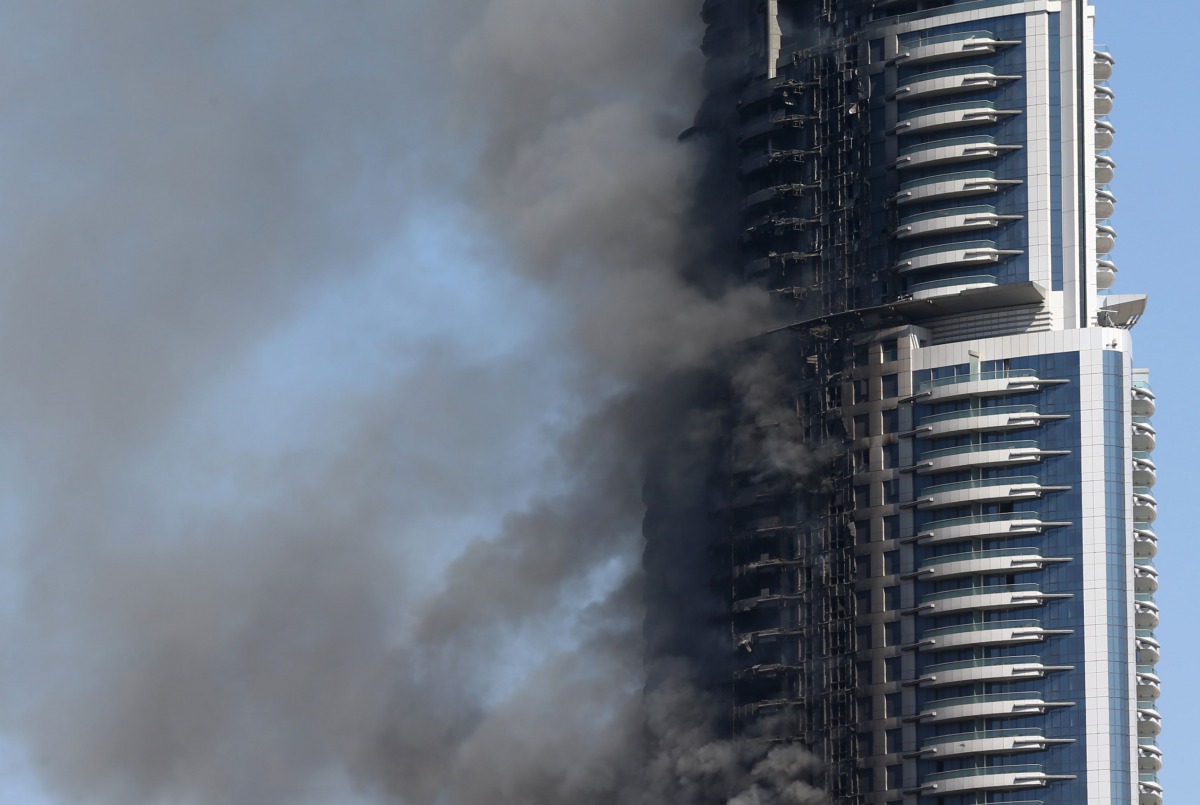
770 194
947 152
952 185
953 81
1105 136
1150 791
1106 204
983 384
987 742
951 116
986 778
1143 401
1149 755
1106 239
1149 650
992 454
986 599
987 490
995 670
1145 507
982 420
1145 576
993 705
950 46
1106 169
773 158
985 526
1149 686
1145 542
954 255
978 635
947 222
1106 274
950 287
1105 99
1149 722
1103 65
1143 435
1145 612
769 124
972 563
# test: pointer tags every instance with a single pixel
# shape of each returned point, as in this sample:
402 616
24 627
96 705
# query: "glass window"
891 632
895 741
891 386
895 777
891 597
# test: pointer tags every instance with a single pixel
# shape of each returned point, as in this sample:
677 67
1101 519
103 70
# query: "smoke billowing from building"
298 618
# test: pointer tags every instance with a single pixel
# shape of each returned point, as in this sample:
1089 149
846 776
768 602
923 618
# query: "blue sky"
1155 122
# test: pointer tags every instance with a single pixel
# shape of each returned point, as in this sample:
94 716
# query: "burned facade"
924 542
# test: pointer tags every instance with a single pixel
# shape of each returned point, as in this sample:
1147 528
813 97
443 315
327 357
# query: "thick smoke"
220 594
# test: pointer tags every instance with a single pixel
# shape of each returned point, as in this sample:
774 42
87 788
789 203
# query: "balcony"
1145 576
1106 274
1105 98
987 742
1106 204
979 635
1143 435
955 255
1143 401
992 705
1105 136
1149 650
950 287
1150 757
971 563
983 384
1150 791
1106 239
947 152
1149 686
1145 612
951 221
950 46
987 490
951 116
985 779
985 526
1145 542
986 599
976 456
1149 722
1103 65
953 81
952 185
995 670
1145 507
982 420
1106 169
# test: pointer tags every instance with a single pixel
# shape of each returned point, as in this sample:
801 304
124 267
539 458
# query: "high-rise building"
938 532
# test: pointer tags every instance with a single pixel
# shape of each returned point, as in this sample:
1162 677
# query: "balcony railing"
966 413
946 452
1008 374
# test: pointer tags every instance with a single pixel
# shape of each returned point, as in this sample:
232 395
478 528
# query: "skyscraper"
938 529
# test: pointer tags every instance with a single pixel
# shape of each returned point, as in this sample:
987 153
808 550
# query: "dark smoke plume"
409 574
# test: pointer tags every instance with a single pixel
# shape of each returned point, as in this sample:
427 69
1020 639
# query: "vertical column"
774 38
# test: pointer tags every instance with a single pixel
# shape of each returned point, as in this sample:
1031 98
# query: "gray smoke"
266 548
